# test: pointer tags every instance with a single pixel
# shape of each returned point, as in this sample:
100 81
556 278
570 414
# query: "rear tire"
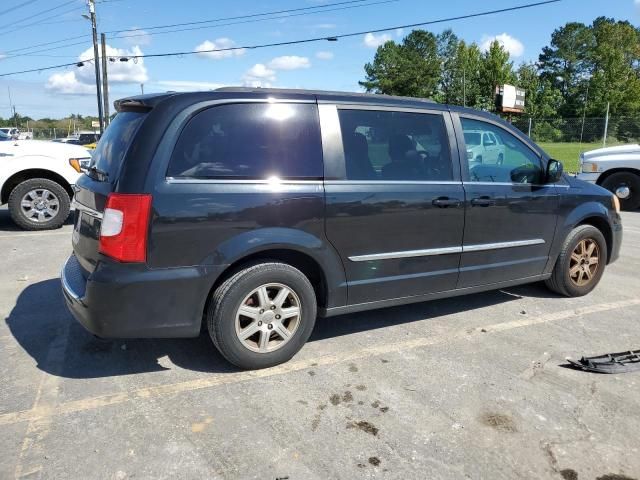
251 325
625 179
574 273
39 204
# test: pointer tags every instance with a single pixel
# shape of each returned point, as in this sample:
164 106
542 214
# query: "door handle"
444 202
483 201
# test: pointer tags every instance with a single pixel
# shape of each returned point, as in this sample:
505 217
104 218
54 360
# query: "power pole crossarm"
96 60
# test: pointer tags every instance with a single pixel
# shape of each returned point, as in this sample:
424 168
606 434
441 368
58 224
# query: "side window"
384 145
509 160
250 141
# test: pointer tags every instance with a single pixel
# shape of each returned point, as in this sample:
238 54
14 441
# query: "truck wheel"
580 264
262 315
39 204
626 186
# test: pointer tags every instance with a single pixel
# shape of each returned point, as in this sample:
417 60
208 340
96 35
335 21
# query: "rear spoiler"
140 103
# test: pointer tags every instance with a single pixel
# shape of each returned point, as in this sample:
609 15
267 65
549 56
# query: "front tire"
262 315
39 204
626 186
581 262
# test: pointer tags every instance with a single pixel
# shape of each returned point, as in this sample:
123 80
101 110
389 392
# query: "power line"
325 9
42 12
306 40
223 19
40 21
145 33
45 43
13 9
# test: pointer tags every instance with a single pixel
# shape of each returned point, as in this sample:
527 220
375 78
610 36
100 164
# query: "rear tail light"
123 234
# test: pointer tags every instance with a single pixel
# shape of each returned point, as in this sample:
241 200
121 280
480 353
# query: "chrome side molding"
446 250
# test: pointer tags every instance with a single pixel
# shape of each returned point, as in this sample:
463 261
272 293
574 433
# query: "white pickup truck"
617 169
36 180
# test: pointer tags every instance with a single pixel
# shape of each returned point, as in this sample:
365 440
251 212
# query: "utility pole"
606 127
12 107
105 80
96 60
142 88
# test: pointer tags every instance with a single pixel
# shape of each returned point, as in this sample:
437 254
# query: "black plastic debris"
609 363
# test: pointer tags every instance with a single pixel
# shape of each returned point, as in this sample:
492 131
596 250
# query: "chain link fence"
611 131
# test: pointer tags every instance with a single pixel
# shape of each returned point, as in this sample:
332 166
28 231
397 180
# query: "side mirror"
554 171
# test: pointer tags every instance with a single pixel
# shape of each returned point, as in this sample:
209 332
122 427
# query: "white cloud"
137 36
399 32
187 85
372 40
81 80
219 44
289 62
509 43
324 55
259 76
67 83
325 26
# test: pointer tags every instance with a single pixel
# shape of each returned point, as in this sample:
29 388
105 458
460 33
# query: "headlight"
616 203
80 164
591 167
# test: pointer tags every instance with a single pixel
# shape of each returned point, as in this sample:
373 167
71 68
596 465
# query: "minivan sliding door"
394 199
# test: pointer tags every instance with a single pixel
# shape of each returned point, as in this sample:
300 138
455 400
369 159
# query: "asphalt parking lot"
471 387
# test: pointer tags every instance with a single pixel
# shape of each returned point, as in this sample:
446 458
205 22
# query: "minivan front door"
394 201
510 213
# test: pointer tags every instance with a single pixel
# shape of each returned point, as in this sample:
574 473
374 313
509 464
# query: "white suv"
484 147
617 169
36 180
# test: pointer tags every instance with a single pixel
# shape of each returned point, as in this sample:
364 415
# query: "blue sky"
326 65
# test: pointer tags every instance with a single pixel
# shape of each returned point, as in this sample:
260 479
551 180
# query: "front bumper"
588 177
131 301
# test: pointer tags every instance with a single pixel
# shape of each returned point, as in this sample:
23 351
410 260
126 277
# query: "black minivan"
253 211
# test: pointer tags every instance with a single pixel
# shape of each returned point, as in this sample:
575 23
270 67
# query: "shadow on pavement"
7 225
40 318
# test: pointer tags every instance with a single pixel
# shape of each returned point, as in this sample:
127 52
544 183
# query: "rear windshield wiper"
100 175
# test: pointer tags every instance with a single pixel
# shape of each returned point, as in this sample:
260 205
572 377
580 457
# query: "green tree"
542 98
411 68
495 69
566 65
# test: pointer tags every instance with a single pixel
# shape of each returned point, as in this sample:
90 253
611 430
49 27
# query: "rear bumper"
132 301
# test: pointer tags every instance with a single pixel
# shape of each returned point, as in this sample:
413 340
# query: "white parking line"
43 412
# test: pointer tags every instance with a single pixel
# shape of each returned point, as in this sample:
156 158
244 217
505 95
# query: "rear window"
252 141
114 143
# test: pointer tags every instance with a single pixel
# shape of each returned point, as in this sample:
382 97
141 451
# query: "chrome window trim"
392 182
84 209
237 181
513 184
445 250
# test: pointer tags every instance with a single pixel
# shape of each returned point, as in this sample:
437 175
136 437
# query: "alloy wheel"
268 317
40 205
585 261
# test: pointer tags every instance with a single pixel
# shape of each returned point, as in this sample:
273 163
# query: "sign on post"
510 99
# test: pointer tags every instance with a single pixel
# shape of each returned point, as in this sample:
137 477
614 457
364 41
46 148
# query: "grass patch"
568 153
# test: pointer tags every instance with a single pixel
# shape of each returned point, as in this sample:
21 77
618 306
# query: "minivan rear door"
394 199
93 188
